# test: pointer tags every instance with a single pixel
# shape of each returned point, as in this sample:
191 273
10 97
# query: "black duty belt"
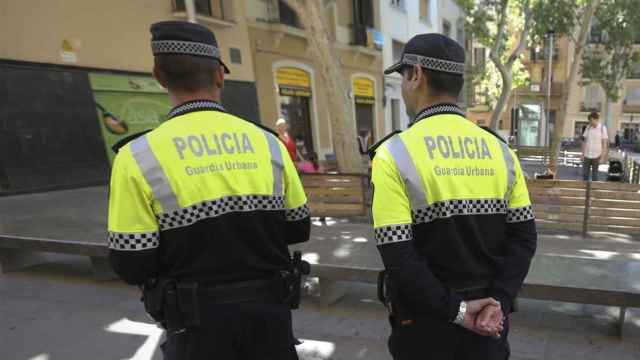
245 291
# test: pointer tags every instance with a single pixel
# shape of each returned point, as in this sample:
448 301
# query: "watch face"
114 125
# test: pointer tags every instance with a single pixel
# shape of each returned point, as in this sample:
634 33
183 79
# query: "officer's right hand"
474 308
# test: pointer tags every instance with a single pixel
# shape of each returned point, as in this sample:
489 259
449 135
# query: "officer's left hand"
491 320
474 309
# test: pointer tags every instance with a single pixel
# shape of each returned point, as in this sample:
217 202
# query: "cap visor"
226 69
393 68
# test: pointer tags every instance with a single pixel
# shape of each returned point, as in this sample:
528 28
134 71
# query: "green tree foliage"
611 54
501 26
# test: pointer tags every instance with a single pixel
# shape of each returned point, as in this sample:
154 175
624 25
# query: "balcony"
631 107
367 37
590 106
216 13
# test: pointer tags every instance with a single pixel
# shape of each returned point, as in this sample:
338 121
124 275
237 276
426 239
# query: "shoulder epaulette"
490 131
372 149
124 141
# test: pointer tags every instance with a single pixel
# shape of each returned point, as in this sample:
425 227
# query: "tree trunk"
341 114
507 84
606 109
506 68
556 140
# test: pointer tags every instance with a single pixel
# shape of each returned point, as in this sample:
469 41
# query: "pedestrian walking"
595 147
282 128
201 212
452 218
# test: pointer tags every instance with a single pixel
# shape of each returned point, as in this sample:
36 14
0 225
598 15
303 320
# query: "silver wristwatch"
459 320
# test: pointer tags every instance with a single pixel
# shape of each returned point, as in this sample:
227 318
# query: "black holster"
292 280
389 296
171 304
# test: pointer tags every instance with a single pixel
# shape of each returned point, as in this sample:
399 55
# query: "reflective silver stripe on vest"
154 175
511 170
408 172
276 162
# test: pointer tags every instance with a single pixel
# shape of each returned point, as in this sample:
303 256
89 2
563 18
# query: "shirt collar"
195 105
438 109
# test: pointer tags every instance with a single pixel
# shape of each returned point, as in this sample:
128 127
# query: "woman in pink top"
283 134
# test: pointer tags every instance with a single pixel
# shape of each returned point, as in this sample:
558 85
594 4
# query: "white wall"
401 24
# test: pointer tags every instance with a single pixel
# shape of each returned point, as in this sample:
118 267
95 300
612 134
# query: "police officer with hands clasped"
452 218
201 211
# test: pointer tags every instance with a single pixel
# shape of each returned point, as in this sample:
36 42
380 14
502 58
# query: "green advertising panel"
127 105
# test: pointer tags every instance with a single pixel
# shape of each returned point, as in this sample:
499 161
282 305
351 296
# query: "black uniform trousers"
241 331
434 339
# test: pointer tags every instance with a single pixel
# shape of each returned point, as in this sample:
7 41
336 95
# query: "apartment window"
633 96
460 31
363 12
362 21
235 55
634 72
424 10
479 57
288 16
203 7
446 28
398 47
578 128
592 99
219 9
398 3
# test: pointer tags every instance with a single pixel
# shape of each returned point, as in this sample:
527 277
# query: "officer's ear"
219 77
416 76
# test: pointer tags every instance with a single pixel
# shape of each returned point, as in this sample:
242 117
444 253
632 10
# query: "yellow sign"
290 76
364 91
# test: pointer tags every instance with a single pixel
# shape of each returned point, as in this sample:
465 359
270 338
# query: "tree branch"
524 35
493 54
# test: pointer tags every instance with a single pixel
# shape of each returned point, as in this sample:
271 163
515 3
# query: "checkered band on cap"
520 214
219 207
296 214
184 47
452 67
392 234
449 208
133 241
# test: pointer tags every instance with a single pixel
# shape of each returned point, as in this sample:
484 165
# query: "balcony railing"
632 107
590 106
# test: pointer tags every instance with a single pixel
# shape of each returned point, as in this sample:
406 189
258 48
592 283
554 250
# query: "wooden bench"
18 252
552 278
611 207
336 195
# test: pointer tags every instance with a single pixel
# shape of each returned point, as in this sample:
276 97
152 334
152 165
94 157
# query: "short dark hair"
441 83
593 115
186 73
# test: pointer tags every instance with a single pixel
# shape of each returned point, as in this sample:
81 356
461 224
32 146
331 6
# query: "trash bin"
616 170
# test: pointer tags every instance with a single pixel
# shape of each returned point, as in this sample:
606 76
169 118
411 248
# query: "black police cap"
431 51
185 38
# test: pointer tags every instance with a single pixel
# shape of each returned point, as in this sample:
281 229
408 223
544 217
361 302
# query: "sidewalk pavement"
56 311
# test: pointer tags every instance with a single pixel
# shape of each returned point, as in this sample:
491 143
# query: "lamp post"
550 37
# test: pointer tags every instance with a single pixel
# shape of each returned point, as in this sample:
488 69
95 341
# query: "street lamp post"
550 36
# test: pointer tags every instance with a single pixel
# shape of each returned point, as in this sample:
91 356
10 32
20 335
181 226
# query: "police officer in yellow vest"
201 212
452 218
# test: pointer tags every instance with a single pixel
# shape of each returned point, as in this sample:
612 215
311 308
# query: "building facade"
289 80
77 78
525 117
402 20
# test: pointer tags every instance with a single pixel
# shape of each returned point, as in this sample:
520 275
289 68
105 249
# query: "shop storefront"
364 103
294 101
